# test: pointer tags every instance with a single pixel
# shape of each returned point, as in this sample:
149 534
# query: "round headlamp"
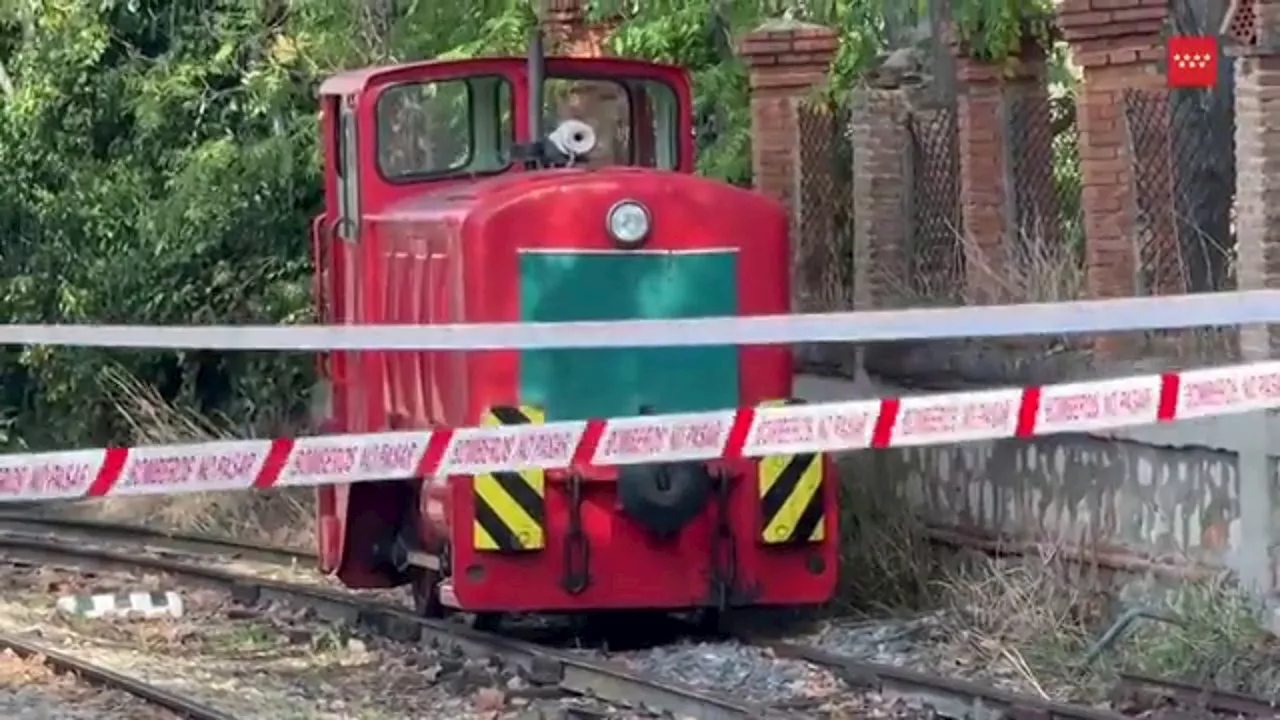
628 223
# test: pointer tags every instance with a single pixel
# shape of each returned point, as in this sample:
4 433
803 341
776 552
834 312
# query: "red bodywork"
446 252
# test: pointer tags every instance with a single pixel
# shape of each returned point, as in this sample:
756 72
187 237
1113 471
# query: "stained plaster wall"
1171 491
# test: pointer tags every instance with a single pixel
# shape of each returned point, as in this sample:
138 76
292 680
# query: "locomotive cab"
547 190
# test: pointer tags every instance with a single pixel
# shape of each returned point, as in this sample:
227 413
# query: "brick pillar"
786 60
567 31
985 207
602 104
1257 202
1254 32
1118 50
882 189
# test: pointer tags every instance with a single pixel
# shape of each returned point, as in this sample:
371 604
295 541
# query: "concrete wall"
1159 494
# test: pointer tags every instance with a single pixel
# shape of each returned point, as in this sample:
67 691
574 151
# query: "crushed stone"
30 690
274 662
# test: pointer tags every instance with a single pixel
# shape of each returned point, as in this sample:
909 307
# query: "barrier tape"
1087 316
727 434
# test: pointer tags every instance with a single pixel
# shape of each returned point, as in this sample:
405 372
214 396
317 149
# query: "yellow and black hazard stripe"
510 506
791 502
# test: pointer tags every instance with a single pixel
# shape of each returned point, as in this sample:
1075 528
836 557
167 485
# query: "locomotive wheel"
712 622
424 586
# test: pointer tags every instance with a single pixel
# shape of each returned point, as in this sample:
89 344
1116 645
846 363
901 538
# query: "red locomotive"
446 203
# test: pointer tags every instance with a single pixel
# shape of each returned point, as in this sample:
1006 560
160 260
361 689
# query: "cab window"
444 127
636 121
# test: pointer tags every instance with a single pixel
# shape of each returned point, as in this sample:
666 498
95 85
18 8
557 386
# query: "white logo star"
1193 61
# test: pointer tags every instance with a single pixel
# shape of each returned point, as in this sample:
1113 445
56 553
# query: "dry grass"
1033 269
277 517
1028 618
887 563
1031 620
1035 619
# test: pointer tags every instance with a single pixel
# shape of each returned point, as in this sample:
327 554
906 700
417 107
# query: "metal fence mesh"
936 260
1046 243
1183 184
1043 245
822 273
822 242
1180 164
1182 150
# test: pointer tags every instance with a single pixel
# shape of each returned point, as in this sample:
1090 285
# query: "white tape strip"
1090 316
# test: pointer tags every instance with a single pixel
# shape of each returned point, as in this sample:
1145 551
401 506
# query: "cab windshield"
459 126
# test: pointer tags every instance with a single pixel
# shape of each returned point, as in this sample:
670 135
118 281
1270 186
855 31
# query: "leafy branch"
996 30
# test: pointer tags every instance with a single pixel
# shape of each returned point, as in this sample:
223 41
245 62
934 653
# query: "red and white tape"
745 432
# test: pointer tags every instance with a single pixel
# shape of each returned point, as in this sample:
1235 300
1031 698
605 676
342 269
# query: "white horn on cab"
573 138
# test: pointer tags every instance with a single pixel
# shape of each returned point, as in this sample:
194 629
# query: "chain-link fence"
1046 261
1183 156
1180 161
1182 153
1182 148
1043 244
822 243
822 278
936 260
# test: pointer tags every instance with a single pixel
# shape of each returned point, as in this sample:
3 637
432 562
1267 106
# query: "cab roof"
349 82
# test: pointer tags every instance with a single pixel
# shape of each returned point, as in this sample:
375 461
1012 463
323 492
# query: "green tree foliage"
996 29
160 166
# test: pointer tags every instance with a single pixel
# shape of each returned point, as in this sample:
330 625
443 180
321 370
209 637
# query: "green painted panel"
572 384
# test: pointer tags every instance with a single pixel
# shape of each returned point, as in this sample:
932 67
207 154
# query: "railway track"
179 704
163 541
544 666
43 541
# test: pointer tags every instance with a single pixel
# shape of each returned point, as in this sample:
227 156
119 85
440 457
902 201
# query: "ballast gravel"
29 690
794 687
271 662
279 662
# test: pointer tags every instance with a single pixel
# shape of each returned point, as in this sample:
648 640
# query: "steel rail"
207 544
948 697
1084 316
177 703
542 665
944 694
1201 697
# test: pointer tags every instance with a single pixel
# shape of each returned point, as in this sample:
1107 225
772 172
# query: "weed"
281 517
1035 618
1220 639
887 563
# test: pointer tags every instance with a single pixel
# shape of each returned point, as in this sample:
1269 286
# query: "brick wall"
991 147
1117 43
567 31
786 60
603 104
